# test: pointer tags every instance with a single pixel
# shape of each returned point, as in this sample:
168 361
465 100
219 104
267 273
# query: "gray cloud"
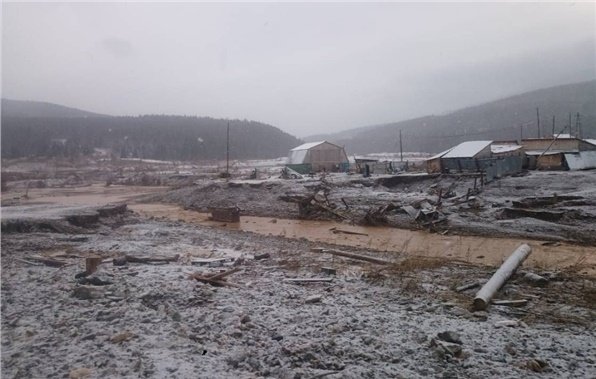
306 68
117 47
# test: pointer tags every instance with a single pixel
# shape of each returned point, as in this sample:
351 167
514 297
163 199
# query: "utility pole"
578 126
401 150
570 130
228 151
521 133
538 119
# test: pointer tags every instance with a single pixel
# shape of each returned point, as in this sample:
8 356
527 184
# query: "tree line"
148 137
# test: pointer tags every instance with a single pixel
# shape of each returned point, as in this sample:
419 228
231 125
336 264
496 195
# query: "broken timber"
151 260
359 257
510 303
467 286
488 291
308 280
216 280
231 214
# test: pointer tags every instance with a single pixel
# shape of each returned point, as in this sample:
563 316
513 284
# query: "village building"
493 159
318 156
564 152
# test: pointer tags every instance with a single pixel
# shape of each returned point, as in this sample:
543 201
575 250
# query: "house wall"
550 162
326 157
433 165
543 144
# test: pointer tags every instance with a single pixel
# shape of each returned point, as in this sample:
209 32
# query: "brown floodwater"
478 250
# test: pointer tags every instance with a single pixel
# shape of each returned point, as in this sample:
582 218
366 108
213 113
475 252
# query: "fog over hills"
504 119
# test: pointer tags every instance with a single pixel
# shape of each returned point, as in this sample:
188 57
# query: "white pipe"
499 278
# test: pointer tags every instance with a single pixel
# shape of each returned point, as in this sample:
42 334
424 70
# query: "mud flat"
286 310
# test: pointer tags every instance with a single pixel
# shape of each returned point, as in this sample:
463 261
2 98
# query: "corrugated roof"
467 149
549 152
439 155
308 145
582 161
504 148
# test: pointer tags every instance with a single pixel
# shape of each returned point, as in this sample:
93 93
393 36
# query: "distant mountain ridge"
497 120
19 108
43 129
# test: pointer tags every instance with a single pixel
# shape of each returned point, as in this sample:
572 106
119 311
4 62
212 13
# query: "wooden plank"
359 257
467 286
133 259
511 303
308 280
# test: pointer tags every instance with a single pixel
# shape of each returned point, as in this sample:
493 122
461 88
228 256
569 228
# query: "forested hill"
18 108
497 120
150 137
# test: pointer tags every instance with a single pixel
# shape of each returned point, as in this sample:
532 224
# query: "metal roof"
467 149
582 161
308 145
504 148
439 155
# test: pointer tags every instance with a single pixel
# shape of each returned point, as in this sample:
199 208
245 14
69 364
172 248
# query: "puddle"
479 250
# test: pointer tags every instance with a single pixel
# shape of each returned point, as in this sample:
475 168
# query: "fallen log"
48 261
467 286
222 275
217 280
488 291
214 282
511 303
133 259
359 257
336 231
308 280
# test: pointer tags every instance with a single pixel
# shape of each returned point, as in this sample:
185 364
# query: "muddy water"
93 195
480 250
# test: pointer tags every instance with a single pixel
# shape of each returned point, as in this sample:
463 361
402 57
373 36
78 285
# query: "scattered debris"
449 336
535 279
313 299
537 365
329 270
217 280
262 256
510 323
229 214
121 337
335 230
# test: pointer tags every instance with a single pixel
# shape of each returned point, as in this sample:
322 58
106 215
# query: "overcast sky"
305 68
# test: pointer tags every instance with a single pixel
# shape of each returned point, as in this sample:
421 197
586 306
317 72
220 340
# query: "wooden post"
486 293
91 264
538 120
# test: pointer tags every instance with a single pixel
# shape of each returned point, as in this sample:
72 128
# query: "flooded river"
479 250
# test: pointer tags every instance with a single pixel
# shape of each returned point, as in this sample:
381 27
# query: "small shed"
318 156
464 157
